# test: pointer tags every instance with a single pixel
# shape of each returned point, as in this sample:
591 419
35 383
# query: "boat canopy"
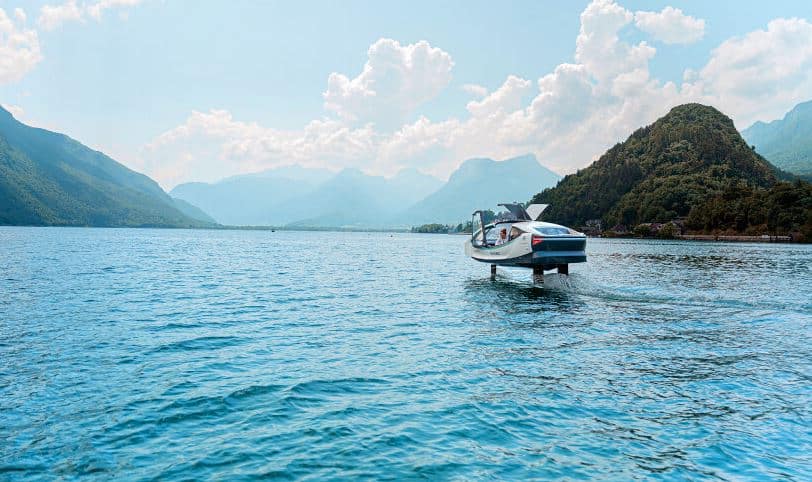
535 210
517 210
532 213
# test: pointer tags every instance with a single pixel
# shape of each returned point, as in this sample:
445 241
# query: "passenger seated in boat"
502 239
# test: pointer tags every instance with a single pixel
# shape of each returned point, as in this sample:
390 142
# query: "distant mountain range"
252 199
296 197
786 142
354 199
50 179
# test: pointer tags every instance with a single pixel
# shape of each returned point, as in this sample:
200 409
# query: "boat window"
491 234
552 231
515 233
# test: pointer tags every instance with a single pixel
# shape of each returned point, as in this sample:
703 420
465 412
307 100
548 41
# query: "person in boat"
502 239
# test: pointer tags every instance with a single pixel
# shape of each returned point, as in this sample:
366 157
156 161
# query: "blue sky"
128 76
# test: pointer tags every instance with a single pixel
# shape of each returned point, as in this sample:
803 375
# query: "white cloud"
475 89
506 98
19 47
96 10
394 81
53 16
762 74
670 26
568 117
598 46
213 145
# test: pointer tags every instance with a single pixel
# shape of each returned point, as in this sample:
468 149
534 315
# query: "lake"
138 354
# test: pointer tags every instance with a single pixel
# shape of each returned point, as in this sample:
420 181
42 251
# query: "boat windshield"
552 231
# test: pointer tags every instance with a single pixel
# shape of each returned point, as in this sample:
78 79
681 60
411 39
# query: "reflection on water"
171 354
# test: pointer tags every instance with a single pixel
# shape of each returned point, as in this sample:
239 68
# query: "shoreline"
684 237
719 238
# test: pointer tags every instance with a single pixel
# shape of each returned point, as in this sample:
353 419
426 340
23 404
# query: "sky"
202 90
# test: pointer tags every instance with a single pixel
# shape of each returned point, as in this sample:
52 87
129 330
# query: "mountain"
355 199
47 178
480 183
308 197
786 142
660 172
192 211
251 199
294 172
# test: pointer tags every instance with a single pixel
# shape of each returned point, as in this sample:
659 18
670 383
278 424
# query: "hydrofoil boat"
520 239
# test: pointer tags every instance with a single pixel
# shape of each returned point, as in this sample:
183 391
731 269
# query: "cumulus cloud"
53 16
762 74
19 47
670 26
395 80
567 117
598 47
475 89
214 145
506 98
96 10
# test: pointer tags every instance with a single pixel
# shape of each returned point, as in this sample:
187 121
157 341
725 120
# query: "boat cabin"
486 235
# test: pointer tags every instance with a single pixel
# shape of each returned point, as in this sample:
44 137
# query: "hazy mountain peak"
351 172
481 183
786 142
289 171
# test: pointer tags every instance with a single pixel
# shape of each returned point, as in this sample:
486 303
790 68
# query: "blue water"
189 355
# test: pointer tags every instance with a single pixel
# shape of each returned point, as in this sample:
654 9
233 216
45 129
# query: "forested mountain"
660 172
47 178
784 208
480 183
786 142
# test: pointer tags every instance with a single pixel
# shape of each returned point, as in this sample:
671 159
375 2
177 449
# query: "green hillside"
50 179
660 172
786 142
784 208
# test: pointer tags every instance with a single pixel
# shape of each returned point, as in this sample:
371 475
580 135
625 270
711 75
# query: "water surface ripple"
178 355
